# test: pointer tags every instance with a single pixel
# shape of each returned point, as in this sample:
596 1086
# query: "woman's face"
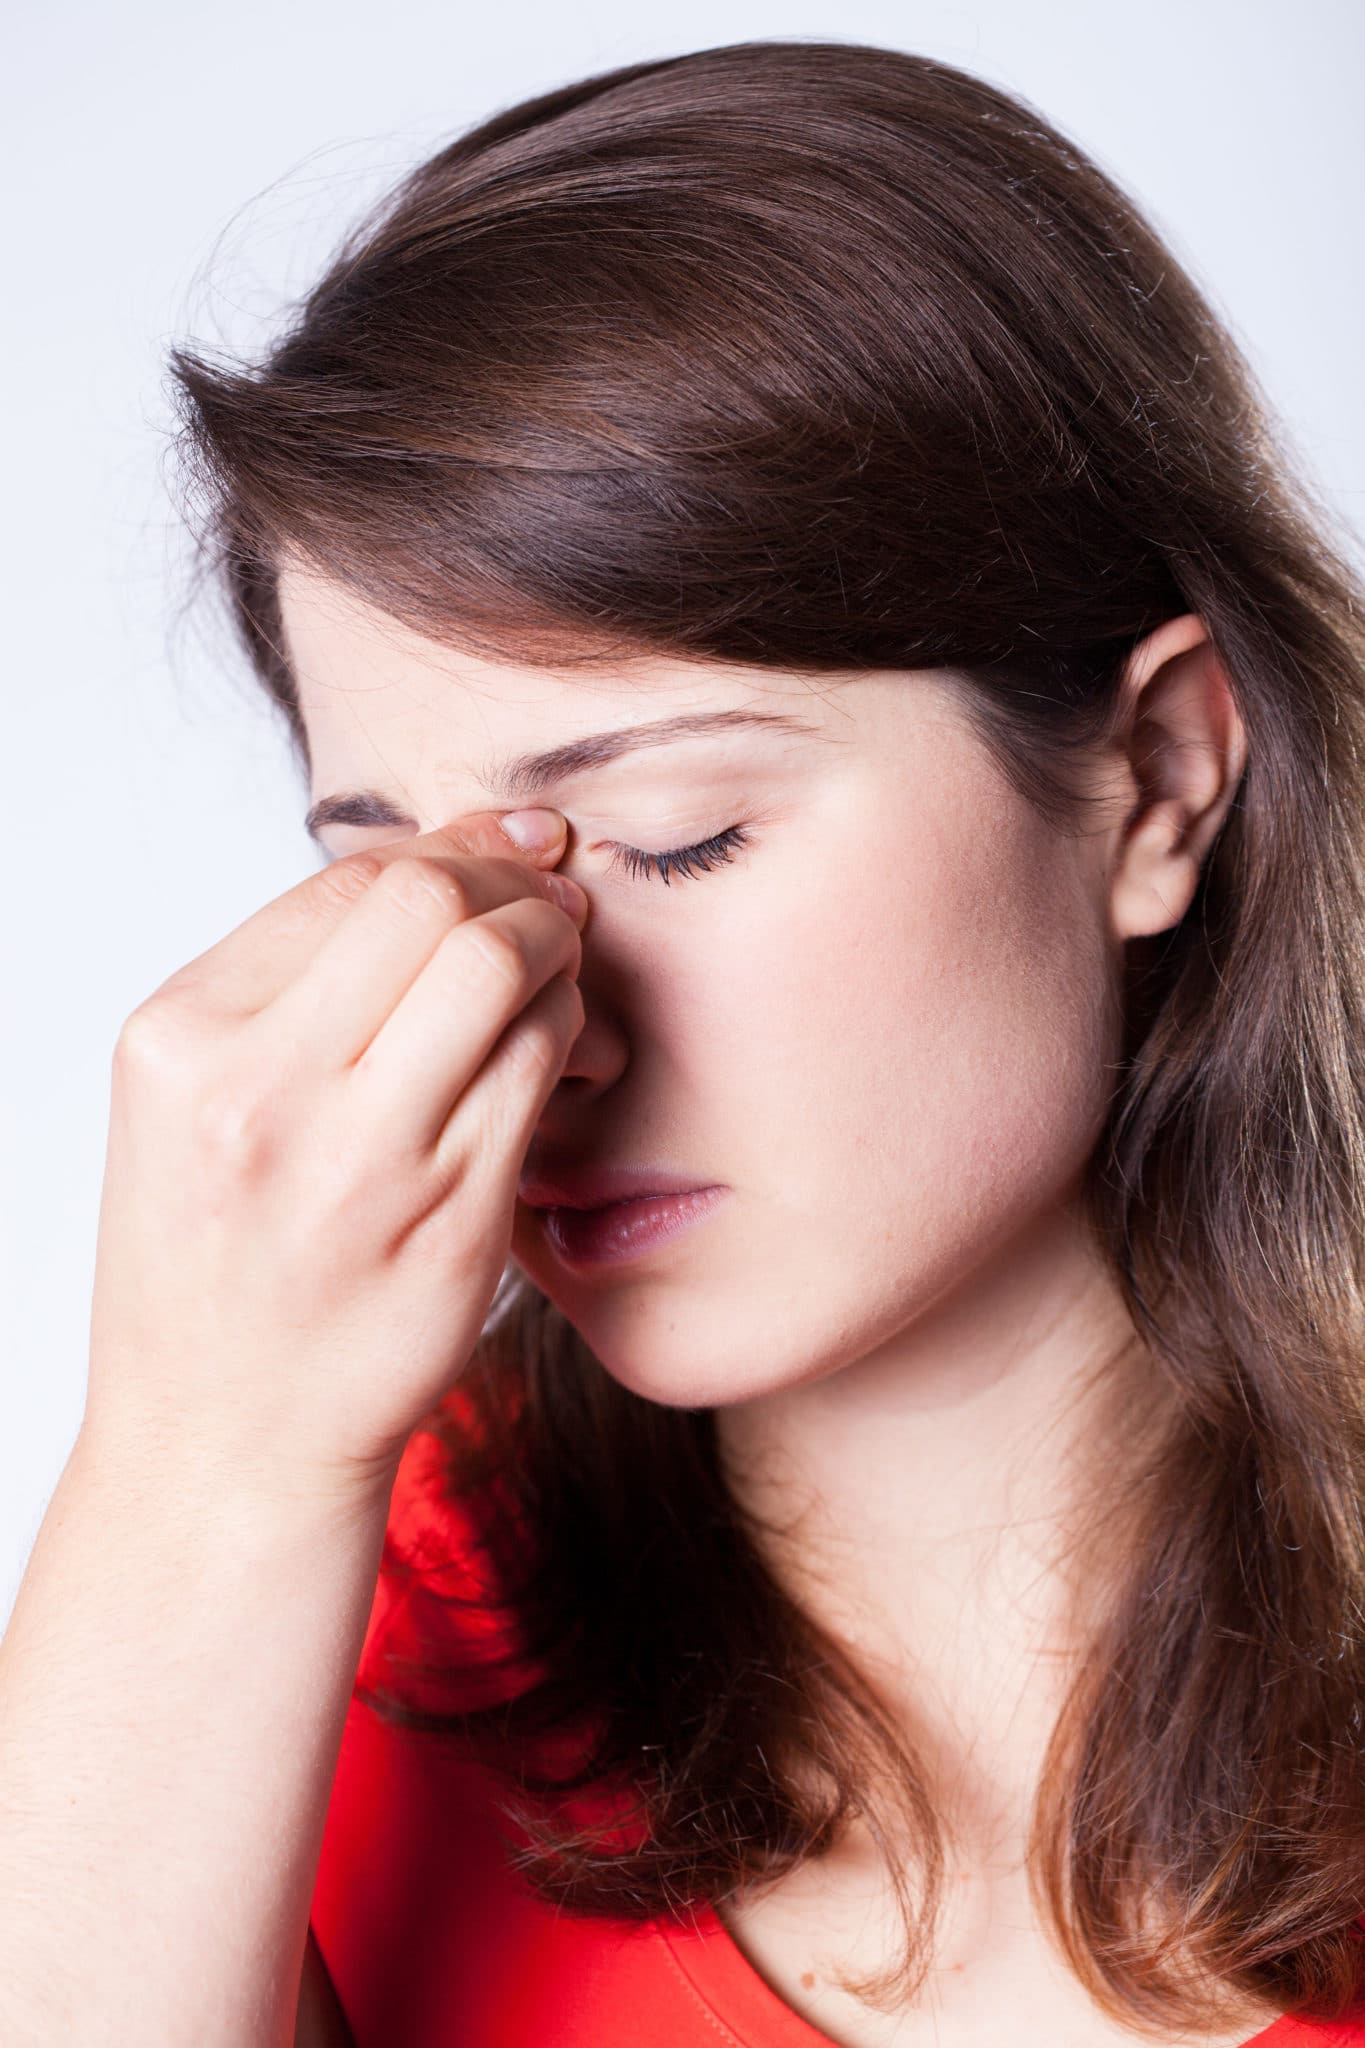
883 1027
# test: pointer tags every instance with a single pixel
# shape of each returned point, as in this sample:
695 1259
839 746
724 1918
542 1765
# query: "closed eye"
682 860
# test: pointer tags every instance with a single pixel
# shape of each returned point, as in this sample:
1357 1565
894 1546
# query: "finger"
363 969
429 1049
256 961
506 1097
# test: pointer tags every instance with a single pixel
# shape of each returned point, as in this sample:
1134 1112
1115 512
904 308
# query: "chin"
681 1384
695 1390
682 1348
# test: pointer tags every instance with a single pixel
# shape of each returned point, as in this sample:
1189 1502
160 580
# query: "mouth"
569 1186
608 1233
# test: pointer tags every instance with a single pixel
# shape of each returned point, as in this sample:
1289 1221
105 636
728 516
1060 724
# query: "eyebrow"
523 776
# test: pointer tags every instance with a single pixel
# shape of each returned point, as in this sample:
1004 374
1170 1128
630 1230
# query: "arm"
316 1129
173 1686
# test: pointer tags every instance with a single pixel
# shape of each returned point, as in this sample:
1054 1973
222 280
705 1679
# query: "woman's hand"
315 1137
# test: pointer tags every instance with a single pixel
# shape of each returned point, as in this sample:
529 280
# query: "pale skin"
314 1137
334 1100
888 1026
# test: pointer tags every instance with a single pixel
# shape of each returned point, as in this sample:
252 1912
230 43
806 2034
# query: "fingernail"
567 894
533 829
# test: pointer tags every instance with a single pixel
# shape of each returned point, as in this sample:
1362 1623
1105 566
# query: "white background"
175 174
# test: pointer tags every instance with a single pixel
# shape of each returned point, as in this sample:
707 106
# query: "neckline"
732 1991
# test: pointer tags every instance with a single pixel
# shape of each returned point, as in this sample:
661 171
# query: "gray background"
177 173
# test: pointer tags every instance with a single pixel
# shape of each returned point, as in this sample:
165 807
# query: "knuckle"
351 877
155 1037
500 954
234 1127
416 884
535 1049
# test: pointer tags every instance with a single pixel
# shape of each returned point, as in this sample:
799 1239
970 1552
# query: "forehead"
352 663
383 704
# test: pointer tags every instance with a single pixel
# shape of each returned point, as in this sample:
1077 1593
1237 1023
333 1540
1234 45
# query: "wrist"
263 1500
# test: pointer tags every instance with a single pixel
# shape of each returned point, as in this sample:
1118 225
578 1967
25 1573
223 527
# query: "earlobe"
1157 876
1185 748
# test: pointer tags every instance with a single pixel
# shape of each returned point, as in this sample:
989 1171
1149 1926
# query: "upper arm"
321 2023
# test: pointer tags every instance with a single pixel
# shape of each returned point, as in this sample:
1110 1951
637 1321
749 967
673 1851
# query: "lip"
613 1232
595 1187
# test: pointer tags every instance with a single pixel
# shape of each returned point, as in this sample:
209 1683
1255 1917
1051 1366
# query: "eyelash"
682 860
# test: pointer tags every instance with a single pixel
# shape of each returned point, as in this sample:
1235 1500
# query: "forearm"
173 1684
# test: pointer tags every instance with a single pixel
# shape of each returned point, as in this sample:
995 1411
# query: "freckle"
808 1979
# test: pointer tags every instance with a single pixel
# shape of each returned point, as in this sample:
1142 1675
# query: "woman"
888 1567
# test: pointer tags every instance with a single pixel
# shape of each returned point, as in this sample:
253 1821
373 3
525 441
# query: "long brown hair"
826 357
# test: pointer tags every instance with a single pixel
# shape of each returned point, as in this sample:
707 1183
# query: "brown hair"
826 357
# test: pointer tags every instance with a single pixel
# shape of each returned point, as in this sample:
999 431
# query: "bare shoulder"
321 2023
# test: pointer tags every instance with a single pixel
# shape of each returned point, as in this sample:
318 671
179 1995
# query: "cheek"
932 1040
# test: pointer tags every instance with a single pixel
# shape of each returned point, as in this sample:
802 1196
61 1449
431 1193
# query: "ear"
1184 747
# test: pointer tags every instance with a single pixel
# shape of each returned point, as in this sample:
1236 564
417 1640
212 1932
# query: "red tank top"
433 1941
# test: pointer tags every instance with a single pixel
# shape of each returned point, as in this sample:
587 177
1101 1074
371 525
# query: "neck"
947 1505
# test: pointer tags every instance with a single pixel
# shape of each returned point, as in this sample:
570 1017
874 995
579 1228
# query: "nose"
599 1054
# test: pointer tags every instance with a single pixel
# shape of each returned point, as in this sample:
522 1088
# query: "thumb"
536 832
538 836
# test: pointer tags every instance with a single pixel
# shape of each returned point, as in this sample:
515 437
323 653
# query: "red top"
433 1942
